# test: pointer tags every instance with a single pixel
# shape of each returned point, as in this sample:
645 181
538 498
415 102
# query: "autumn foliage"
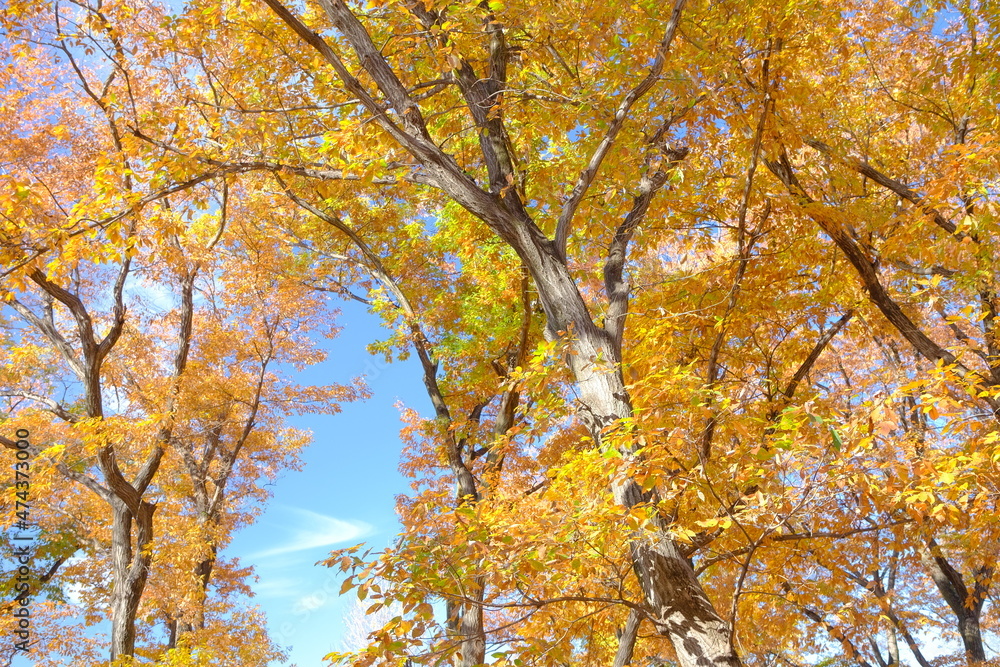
705 299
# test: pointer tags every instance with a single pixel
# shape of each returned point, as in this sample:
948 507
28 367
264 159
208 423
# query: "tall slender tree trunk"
466 622
203 572
627 637
203 575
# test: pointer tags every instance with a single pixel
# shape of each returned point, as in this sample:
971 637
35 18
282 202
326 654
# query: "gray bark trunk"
680 609
972 638
130 571
893 648
627 638
467 624
966 607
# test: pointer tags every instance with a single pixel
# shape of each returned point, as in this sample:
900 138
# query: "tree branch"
817 350
48 329
627 639
869 275
54 407
621 115
892 185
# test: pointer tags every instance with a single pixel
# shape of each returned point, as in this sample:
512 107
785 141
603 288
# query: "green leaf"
838 444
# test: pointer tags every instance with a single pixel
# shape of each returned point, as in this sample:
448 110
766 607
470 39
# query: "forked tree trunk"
965 604
680 609
130 570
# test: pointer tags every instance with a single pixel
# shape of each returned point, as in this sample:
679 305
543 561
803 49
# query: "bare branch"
627 639
869 275
47 327
54 407
892 185
614 284
621 115
834 631
817 350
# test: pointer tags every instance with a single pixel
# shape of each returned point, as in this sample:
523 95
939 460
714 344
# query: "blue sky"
344 494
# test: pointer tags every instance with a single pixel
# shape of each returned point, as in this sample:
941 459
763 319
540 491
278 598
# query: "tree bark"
467 624
203 575
680 609
627 638
966 606
130 570
132 516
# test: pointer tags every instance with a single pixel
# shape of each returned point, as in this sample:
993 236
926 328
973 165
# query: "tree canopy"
705 298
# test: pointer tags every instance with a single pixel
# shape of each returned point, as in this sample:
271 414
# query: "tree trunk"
203 575
626 640
680 609
952 587
972 638
130 570
466 622
203 572
171 633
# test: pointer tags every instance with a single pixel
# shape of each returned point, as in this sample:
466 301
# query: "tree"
683 611
465 351
147 354
762 239
480 66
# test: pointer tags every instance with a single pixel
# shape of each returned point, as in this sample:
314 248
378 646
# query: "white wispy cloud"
311 602
152 294
311 530
276 587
